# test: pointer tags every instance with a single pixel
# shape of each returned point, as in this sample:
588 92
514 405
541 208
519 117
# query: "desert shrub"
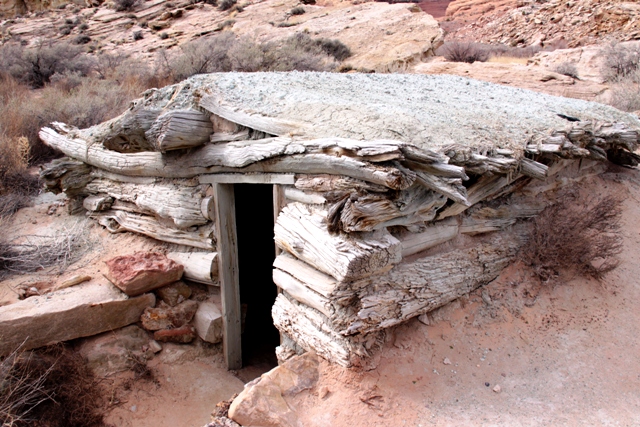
83 27
81 39
567 68
625 94
126 5
163 36
49 387
580 235
298 10
227 4
334 47
620 62
137 35
463 52
36 65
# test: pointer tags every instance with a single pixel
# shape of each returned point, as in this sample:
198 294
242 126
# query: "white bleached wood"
218 137
310 332
303 232
201 267
417 287
178 129
228 273
301 293
449 187
486 186
533 169
269 125
120 221
97 203
435 234
296 195
327 183
169 200
314 279
251 156
251 178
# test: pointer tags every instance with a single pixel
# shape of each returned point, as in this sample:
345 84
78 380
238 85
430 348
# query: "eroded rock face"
263 401
165 317
142 272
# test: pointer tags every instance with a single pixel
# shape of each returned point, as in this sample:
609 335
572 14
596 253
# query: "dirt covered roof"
432 112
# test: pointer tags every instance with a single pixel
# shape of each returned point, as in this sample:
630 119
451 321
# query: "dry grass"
574 234
50 387
33 253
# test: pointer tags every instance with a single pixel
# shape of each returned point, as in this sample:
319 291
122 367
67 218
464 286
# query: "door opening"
256 253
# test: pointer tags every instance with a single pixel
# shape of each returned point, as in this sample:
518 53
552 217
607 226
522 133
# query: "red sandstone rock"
183 335
141 272
164 316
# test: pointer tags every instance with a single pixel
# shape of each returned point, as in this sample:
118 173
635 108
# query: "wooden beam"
201 267
243 178
228 273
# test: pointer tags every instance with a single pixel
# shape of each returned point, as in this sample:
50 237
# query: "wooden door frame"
228 271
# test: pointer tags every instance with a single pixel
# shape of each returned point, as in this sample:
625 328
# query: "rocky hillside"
556 23
381 36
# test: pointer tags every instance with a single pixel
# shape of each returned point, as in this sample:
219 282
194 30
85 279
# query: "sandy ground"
561 355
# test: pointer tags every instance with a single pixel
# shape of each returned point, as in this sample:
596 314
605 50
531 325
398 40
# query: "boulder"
164 316
263 401
182 335
111 352
174 293
208 322
75 312
142 272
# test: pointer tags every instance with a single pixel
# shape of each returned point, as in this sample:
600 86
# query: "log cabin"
387 195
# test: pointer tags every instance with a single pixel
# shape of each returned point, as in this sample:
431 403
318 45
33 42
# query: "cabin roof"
431 111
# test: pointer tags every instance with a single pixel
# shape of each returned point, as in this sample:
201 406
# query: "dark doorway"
256 253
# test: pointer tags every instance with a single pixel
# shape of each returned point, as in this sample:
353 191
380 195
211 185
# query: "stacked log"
373 231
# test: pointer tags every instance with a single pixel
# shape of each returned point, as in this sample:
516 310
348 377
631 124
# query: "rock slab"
111 352
208 322
142 272
263 401
76 312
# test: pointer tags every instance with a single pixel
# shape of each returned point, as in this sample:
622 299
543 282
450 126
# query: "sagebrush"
49 387
575 234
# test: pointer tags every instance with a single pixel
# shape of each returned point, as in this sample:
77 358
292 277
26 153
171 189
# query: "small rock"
155 346
323 392
182 335
142 272
497 389
208 322
487 384
424 318
446 361
174 293
164 316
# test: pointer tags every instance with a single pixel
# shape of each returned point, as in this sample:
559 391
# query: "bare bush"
126 5
298 10
625 94
36 65
27 254
227 4
49 387
580 235
620 62
567 68
468 52
225 53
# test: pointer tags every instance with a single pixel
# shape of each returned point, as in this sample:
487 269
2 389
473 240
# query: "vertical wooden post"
227 246
278 204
